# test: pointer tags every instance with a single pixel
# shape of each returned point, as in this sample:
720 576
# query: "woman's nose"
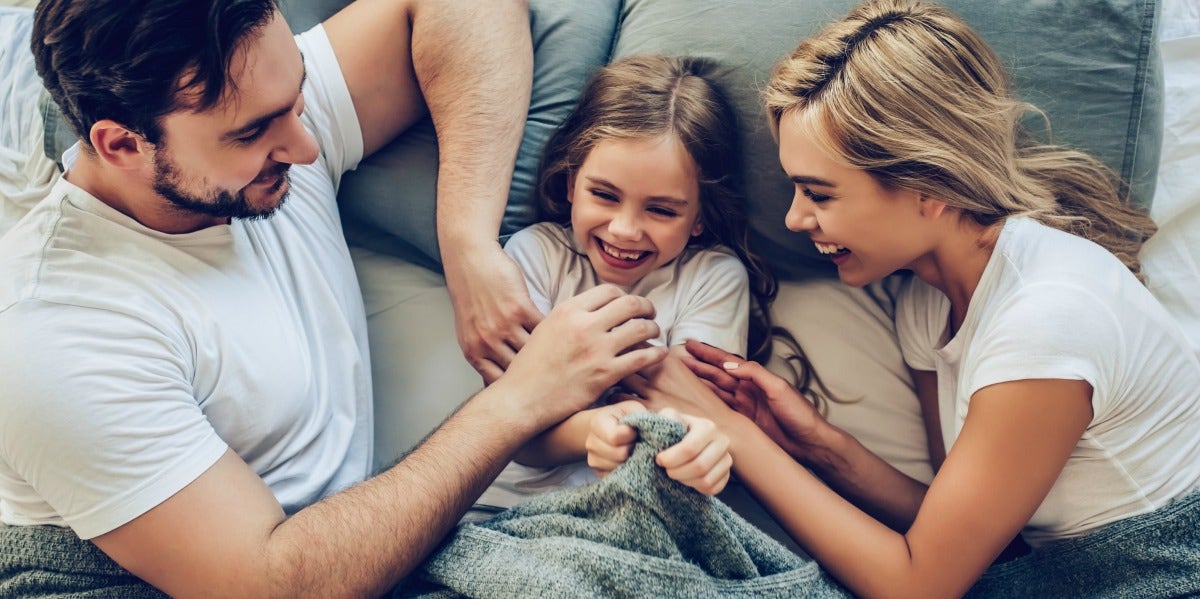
801 216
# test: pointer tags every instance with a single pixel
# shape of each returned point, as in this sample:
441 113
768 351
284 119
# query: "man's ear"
117 145
931 208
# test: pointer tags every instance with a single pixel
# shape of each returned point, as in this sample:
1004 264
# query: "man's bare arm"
470 65
226 535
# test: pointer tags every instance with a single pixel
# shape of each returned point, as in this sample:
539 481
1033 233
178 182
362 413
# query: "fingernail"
730 365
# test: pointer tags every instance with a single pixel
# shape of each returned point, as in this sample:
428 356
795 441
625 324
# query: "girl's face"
635 204
868 230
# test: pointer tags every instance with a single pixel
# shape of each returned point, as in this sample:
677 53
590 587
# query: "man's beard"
219 203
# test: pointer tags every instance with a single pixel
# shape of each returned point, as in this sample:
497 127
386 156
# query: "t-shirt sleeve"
97 417
328 108
1048 331
531 248
921 313
715 306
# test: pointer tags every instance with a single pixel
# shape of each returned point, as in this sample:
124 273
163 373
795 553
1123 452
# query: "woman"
1067 397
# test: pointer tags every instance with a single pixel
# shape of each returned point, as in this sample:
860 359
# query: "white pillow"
26 175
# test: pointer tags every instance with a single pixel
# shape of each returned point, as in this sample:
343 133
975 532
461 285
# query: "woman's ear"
930 207
118 146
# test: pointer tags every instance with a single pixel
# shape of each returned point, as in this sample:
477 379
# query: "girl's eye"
604 195
664 212
815 197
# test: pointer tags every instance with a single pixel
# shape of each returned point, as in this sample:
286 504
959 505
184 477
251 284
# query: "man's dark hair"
134 61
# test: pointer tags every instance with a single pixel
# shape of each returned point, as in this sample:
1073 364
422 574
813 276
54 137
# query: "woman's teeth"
828 248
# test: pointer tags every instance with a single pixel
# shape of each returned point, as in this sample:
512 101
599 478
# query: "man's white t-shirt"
132 359
1051 305
703 294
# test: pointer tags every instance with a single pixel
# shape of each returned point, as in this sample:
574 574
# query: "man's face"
231 161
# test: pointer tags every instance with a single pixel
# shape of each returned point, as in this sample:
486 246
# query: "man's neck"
134 196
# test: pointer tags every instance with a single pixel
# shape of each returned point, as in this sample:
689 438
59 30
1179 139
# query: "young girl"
640 188
1068 398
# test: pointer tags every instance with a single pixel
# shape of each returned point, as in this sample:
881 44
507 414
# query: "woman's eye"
815 197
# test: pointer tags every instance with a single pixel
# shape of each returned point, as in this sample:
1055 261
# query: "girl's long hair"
649 96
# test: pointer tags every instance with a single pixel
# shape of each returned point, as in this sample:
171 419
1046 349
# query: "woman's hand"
772 403
701 460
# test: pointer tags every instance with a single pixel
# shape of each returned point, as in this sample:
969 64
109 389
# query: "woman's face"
867 229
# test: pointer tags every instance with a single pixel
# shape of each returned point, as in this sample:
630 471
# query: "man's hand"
584 346
493 314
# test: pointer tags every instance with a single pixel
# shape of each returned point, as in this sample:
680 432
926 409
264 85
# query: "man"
184 356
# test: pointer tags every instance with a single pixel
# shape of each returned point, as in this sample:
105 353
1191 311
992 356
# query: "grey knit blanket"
636 533
639 534
50 561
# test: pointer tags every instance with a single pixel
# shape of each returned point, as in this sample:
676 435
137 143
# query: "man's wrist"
510 409
459 247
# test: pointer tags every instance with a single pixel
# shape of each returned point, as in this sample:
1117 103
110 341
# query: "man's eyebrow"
804 180
260 121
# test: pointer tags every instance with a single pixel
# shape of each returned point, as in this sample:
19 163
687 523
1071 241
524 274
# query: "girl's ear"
571 187
697 228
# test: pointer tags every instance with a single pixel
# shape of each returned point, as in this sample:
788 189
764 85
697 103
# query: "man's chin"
265 205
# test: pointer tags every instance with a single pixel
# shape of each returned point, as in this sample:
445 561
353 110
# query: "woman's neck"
956 265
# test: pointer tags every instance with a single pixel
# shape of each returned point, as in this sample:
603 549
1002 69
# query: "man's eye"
252 136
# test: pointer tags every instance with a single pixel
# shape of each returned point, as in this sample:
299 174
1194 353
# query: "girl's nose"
626 225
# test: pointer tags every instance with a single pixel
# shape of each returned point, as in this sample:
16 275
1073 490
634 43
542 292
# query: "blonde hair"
906 91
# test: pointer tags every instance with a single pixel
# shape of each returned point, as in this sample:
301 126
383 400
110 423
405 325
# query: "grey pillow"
1091 65
388 202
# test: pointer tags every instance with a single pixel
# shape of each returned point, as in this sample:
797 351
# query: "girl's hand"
772 403
701 460
609 442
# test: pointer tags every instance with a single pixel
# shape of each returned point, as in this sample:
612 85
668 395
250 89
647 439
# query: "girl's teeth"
622 254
